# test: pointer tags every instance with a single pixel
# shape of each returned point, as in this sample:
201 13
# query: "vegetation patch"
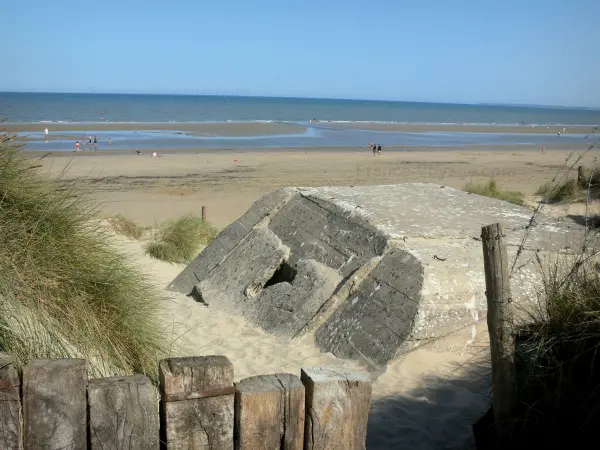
180 240
491 189
64 290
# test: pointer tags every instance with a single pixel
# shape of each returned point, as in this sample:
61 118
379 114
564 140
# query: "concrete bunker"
369 271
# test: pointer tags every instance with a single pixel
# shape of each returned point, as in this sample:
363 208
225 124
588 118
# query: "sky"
512 52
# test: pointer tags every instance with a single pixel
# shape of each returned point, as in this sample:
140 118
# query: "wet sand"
460 128
237 129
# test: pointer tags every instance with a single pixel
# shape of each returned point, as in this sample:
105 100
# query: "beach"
155 171
149 189
428 398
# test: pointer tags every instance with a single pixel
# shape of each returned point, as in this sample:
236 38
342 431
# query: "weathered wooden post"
123 413
337 409
500 325
204 214
197 401
269 413
55 404
581 181
10 405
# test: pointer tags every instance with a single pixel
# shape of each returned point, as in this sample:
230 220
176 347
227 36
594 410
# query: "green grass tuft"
64 290
567 191
491 189
180 240
127 227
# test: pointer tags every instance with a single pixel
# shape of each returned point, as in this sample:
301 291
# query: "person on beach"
374 149
46 133
77 146
108 141
379 149
89 141
95 141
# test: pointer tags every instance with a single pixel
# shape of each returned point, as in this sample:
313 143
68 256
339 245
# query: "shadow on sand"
438 414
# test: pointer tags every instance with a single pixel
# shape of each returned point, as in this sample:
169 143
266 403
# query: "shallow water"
313 137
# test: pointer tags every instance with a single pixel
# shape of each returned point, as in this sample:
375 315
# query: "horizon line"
181 94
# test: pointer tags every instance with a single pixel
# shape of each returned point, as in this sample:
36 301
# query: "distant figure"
374 150
372 147
77 146
95 140
46 133
559 134
101 119
138 152
108 141
379 149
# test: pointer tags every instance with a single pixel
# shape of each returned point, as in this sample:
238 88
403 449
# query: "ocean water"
38 107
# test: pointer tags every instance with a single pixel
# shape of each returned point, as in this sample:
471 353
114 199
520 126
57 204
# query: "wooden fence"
197 406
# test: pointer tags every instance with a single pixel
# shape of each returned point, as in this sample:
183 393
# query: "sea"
313 114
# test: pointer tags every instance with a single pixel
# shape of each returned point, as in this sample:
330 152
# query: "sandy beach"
426 399
149 189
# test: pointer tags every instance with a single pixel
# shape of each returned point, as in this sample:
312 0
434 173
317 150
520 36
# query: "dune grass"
491 189
559 370
566 191
179 240
64 291
126 227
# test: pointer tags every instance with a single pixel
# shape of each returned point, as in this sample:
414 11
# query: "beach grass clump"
565 191
180 240
65 291
558 365
491 189
126 227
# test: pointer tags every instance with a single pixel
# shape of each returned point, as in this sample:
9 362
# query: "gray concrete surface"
369 271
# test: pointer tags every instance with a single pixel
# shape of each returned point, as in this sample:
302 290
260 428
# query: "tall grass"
64 291
491 189
559 369
179 240
566 191
125 226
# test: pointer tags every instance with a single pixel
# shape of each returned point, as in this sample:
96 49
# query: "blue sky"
528 52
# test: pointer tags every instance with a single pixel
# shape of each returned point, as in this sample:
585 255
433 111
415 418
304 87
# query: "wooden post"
500 325
10 405
54 404
123 413
204 214
581 181
337 409
197 402
269 413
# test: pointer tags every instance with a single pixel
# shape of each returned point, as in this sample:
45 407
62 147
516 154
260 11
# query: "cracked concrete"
378 269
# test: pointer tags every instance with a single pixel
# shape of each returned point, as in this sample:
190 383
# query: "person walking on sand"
77 146
379 149
374 149
46 134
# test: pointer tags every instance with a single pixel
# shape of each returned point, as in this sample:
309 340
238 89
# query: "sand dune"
426 399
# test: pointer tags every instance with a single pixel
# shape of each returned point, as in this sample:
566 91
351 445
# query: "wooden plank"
337 409
10 405
269 413
54 404
500 324
191 418
123 413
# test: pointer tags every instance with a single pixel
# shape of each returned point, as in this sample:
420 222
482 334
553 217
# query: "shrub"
64 290
490 189
179 241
